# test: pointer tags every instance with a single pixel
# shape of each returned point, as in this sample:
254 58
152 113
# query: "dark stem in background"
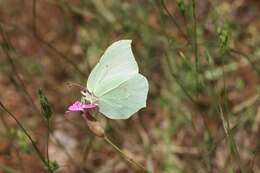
175 76
6 127
21 163
12 64
174 21
225 121
47 141
10 134
72 161
245 56
195 40
48 45
231 140
38 152
131 161
87 149
196 54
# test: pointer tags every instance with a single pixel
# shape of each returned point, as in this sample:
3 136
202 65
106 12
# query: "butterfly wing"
116 66
126 99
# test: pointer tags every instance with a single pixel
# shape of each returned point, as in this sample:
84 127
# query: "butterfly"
115 85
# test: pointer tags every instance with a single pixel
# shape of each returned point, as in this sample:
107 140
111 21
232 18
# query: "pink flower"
78 106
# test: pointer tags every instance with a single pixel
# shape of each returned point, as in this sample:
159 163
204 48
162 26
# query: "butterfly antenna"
74 84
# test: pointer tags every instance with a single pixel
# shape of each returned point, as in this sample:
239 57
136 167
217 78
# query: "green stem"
195 42
47 141
174 21
131 161
231 141
38 152
7 128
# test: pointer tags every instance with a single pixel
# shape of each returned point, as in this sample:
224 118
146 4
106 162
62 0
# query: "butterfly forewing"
116 66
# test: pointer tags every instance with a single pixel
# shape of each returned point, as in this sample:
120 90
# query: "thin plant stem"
14 69
21 164
97 130
66 152
131 161
174 21
6 168
48 45
226 125
34 24
38 152
47 141
7 128
176 78
231 141
195 41
232 50
87 149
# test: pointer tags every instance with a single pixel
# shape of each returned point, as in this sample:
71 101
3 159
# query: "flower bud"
94 125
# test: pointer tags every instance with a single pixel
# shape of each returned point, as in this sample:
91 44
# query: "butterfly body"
115 84
88 97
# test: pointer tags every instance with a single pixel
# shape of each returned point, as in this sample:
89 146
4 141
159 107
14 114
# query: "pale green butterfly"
115 85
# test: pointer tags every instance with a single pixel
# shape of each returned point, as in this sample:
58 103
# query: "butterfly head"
88 97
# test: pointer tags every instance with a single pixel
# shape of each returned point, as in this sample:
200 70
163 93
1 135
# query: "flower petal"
78 106
75 107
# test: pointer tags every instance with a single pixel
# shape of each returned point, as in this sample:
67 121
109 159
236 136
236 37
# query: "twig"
38 152
195 42
66 152
12 64
20 160
247 58
174 21
7 128
8 169
48 45
131 161
230 138
47 141
87 149
178 82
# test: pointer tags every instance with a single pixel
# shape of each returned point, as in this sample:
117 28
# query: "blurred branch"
7 169
38 152
195 42
20 160
175 76
104 11
48 45
231 140
14 69
66 152
246 57
174 21
131 161
87 149
6 126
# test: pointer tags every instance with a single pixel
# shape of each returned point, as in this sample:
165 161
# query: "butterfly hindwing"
126 99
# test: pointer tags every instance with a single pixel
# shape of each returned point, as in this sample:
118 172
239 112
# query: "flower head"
80 107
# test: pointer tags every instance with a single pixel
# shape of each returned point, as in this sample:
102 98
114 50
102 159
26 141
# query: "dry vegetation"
203 67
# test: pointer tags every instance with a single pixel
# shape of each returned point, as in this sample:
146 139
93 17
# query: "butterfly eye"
84 92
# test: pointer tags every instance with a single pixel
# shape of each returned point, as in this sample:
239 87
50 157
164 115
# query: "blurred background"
202 61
